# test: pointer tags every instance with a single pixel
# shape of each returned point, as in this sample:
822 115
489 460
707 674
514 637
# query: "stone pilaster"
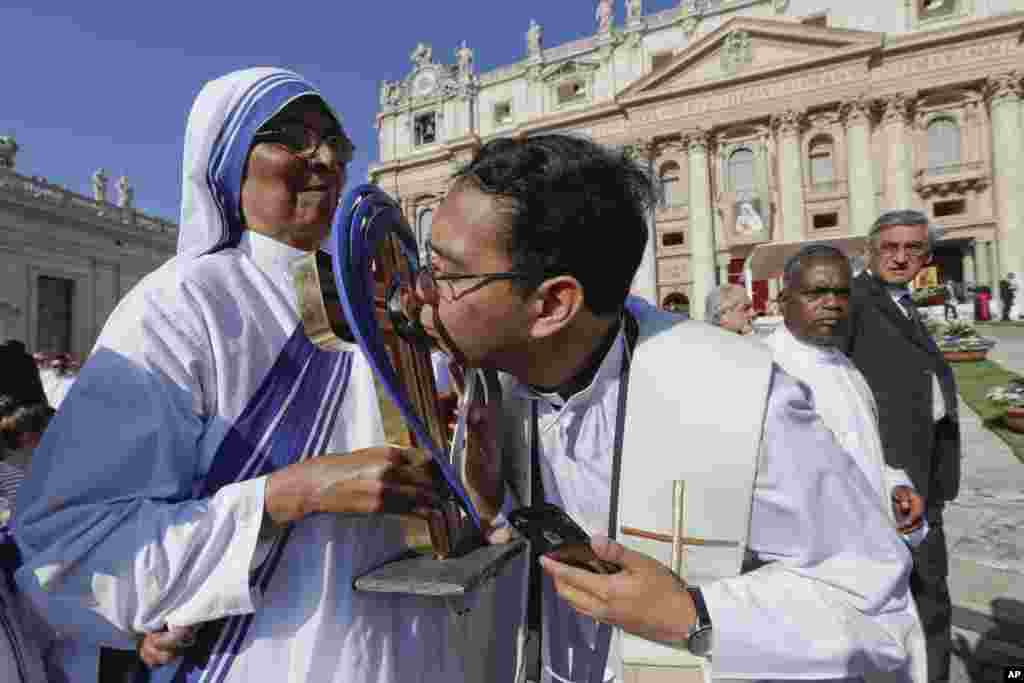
1004 93
787 127
723 268
860 168
969 266
702 238
645 282
898 168
982 271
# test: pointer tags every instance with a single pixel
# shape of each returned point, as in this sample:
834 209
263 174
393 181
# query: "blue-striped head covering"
226 114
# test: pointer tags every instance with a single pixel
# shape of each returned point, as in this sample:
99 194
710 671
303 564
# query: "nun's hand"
163 647
378 480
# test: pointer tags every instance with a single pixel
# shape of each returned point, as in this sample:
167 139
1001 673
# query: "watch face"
699 644
424 83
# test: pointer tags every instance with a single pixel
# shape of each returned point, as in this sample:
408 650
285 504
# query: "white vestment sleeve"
115 541
833 602
897 477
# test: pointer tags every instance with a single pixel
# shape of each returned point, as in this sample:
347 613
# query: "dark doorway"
55 306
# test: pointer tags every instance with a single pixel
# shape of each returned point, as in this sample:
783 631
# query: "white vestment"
845 403
118 535
831 603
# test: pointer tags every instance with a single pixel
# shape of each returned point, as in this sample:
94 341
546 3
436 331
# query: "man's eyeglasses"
912 249
429 286
304 142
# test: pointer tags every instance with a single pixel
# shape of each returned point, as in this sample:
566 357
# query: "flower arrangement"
959 336
1011 395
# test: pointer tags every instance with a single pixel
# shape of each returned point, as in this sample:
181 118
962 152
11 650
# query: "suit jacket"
897 358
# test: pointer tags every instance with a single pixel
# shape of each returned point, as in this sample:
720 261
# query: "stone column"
773 290
645 282
860 165
791 193
898 168
723 268
702 238
1004 94
981 266
970 272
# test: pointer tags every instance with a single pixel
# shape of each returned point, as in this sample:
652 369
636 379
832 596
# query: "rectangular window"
672 239
933 9
425 129
820 19
503 112
660 59
822 221
952 207
54 306
571 91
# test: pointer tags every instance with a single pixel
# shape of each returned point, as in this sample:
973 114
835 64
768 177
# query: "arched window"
671 189
676 302
741 173
822 161
423 225
943 145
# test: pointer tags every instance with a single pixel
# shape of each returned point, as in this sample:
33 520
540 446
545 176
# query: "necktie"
908 305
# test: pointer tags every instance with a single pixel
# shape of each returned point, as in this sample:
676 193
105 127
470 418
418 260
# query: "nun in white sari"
191 476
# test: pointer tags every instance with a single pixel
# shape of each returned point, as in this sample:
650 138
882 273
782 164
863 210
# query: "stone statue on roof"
99 185
534 39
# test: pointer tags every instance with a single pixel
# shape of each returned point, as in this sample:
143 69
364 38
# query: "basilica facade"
764 120
67 259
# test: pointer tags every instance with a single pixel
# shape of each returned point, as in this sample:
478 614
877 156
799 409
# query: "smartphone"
552 532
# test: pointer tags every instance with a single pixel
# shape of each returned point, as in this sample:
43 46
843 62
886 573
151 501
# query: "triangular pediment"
742 46
567 69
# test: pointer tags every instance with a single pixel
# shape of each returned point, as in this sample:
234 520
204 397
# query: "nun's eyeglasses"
304 142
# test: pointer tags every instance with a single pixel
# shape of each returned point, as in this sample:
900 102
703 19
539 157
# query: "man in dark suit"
917 405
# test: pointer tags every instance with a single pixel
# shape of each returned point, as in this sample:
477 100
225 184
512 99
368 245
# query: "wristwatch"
698 640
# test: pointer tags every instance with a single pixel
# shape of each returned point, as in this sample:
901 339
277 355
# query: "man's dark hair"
574 208
812 252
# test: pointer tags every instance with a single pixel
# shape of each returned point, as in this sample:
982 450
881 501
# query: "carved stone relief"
736 51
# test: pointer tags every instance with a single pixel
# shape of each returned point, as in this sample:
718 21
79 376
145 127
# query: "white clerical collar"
271 256
609 369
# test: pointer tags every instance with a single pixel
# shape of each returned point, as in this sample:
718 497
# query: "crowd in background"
31 388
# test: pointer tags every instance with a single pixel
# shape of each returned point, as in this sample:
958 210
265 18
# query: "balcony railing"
954 169
827 187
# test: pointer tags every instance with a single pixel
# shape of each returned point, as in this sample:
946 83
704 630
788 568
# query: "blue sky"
97 84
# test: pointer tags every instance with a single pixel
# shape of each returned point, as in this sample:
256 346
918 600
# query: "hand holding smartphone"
553 533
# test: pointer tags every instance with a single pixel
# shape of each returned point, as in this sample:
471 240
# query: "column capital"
643 148
897 108
788 122
1004 87
857 110
697 140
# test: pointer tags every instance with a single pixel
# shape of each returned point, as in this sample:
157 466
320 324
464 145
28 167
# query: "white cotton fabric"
115 539
844 400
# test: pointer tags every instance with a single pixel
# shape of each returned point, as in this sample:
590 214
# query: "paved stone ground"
985 533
